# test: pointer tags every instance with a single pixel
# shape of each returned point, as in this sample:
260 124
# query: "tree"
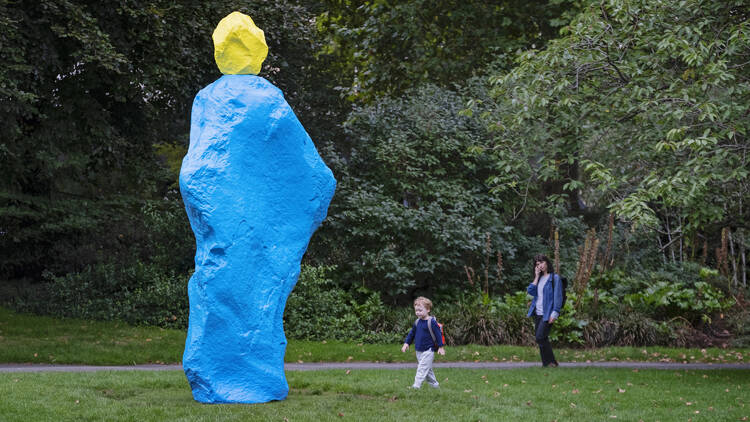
87 90
650 100
384 48
413 212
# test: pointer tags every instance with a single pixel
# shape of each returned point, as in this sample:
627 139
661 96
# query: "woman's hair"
427 303
542 258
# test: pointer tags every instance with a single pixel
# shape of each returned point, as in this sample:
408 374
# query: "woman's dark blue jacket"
552 297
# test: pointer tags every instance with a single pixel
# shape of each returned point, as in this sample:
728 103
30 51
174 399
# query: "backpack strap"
432 334
429 327
552 279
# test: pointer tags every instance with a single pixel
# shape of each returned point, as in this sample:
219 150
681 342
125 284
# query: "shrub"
516 327
317 309
471 321
568 328
139 294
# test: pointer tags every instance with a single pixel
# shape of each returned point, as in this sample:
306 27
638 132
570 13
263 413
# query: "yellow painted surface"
239 46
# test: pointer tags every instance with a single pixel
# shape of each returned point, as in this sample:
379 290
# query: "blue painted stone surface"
255 190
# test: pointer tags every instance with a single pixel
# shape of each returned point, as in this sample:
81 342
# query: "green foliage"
87 91
698 301
674 292
63 235
319 310
567 328
412 208
139 294
646 98
386 48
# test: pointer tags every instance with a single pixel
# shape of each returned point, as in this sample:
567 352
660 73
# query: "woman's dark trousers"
542 339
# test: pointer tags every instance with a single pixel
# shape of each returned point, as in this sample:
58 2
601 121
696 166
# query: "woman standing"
546 290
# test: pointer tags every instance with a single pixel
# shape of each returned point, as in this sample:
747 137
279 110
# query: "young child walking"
423 343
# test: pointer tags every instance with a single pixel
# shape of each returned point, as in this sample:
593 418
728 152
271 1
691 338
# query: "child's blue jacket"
421 336
552 298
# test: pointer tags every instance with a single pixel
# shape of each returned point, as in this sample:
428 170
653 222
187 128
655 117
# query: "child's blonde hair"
427 303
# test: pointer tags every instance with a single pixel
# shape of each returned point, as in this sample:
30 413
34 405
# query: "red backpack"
429 326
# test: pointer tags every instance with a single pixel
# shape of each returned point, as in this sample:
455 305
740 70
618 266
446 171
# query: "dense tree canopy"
383 47
457 130
641 107
87 89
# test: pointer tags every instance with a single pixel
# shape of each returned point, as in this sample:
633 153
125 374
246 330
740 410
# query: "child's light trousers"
424 369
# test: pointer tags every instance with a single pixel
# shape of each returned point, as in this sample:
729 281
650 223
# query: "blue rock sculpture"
255 190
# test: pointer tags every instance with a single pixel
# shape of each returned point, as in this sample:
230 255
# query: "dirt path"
12 367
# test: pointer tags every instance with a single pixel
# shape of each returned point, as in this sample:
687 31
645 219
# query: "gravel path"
11 367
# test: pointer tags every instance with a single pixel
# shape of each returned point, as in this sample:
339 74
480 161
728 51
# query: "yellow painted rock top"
239 46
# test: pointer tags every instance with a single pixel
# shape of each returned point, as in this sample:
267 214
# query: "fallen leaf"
573 405
348 371
341 415
528 403
575 391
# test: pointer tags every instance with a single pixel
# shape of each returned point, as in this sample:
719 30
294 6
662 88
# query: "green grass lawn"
564 394
35 339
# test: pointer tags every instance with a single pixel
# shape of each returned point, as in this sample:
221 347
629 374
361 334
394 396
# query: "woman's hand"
537 271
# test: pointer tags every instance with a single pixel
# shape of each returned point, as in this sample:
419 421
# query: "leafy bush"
317 309
517 328
673 291
139 294
671 300
568 329
471 321
412 206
